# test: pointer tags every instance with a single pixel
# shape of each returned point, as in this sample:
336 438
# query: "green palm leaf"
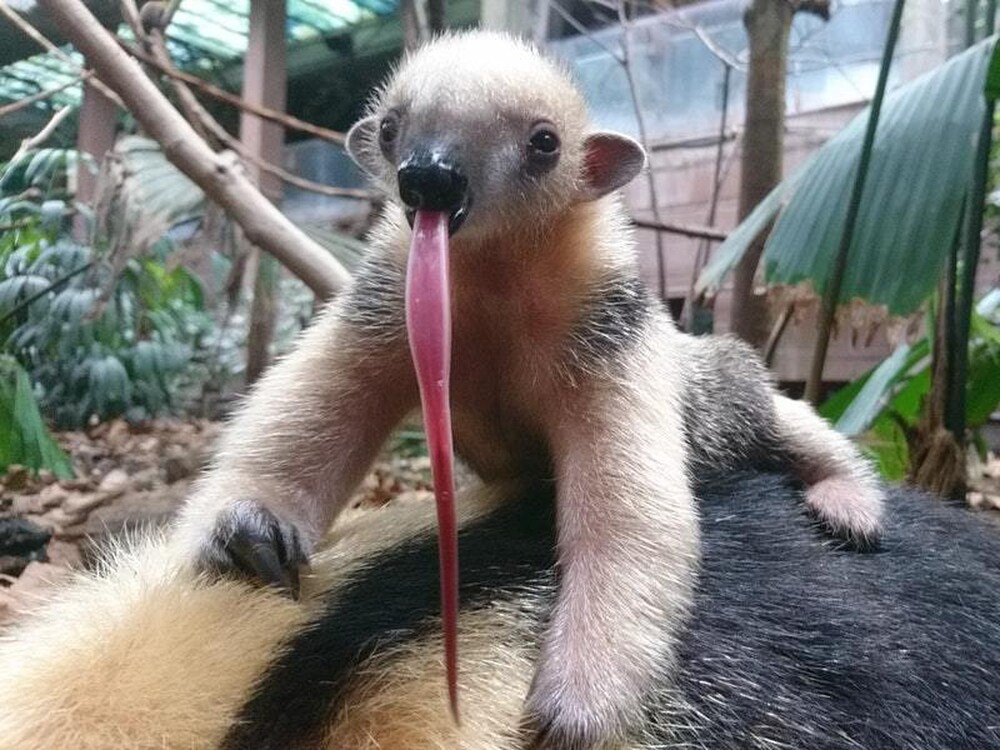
920 169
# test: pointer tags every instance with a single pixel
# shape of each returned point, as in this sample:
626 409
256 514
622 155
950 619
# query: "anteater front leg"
296 450
841 487
628 559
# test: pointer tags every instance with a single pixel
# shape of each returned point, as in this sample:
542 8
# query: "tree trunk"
264 82
937 459
768 23
421 23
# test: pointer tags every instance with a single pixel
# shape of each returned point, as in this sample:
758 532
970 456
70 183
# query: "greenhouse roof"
217 29
204 36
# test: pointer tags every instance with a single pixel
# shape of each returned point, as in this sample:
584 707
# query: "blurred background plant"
885 408
88 331
131 308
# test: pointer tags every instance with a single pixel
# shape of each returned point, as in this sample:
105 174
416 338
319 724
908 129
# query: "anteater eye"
543 140
388 129
543 149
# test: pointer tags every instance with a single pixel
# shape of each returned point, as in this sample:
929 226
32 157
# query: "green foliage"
114 325
885 403
23 437
408 442
920 170
96 357
93 342
44 170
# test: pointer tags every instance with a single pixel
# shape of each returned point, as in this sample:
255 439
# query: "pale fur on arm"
841 486
308 432
628 551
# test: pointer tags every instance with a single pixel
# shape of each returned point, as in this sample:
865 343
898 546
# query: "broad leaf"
871 398
23 437
912 201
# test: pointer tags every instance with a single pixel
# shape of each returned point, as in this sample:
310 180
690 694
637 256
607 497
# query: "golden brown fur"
393 704
141 657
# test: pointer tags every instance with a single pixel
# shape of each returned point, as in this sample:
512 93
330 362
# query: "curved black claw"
249 541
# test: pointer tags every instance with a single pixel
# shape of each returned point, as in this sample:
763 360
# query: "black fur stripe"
615 318
391 601
375 300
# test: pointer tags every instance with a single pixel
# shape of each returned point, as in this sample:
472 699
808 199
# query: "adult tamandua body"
562 368
789 643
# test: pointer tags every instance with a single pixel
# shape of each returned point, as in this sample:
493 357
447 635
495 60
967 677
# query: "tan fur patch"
399 700
141 657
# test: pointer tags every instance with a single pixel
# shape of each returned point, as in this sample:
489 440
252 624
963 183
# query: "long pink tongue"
428 323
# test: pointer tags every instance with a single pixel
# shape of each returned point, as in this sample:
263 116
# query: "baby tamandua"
562 367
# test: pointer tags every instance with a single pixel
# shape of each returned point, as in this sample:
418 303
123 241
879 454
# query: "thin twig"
777 332
831 293
640 120
42 135
701 256
263 224
688 230
581 29
37 36
168 13
43 94
38 295
153 43
130 11
715 49
202 119
288 121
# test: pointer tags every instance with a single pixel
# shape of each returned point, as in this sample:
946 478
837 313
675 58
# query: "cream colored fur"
139 657
830 465
395 703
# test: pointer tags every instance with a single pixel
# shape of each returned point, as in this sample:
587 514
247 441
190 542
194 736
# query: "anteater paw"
850 509
570 714
250 542
553 733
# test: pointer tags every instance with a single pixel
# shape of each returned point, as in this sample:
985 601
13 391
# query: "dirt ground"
129 476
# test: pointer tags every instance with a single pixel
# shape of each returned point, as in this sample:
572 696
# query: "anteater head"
483 127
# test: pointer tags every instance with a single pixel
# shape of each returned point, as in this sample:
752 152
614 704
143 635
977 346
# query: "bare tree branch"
654 203
715 49
222 181
687 230
289 121
623 58
43 95
203 121
581 29
42 135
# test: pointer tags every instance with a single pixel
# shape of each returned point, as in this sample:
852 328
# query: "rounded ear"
610 160
361 146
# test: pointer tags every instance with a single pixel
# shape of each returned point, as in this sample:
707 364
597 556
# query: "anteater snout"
432 182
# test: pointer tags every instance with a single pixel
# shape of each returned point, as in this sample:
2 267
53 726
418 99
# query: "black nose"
432 183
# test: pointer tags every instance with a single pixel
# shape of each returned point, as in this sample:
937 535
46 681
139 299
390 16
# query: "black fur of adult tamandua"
563 368
791 643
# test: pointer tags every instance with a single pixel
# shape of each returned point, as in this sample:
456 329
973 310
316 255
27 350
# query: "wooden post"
264 83
96 137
